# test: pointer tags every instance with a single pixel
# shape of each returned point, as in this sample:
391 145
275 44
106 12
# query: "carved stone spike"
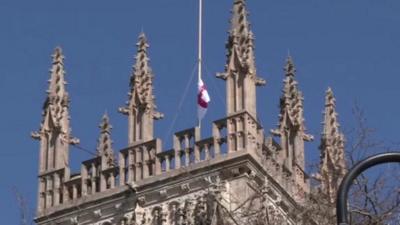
35 135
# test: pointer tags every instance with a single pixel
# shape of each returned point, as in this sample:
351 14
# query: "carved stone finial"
289 68
104 145
105 125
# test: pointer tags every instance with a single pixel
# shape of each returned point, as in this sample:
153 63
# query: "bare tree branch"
26 217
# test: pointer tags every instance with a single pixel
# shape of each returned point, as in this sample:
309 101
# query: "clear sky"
352 46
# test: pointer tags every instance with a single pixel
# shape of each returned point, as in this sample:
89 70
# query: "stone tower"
238 175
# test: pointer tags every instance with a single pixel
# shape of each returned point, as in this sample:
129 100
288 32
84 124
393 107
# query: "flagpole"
200 45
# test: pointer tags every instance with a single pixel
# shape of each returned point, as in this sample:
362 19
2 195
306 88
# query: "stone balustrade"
73 188
90 173
185 147
143 160
167 160
50 188
138 161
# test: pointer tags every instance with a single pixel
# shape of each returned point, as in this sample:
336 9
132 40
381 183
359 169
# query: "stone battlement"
200 180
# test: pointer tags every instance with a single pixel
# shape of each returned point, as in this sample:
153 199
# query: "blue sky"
352 46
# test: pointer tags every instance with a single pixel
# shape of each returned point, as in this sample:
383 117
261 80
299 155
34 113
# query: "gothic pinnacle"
56 105
240 45
291 103
104 147
333 165
141 81
140 107
105 131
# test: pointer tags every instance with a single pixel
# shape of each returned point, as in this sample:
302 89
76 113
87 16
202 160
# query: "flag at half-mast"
202 99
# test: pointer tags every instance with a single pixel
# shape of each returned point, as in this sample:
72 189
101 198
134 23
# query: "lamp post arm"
341 200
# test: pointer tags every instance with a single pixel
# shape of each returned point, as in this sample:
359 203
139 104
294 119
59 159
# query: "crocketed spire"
239 22
141 81
141 107
104 146
55 108
292 132
333 165
240 45
291 104
240 68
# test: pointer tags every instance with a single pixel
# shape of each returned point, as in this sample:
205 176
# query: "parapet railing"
147 159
